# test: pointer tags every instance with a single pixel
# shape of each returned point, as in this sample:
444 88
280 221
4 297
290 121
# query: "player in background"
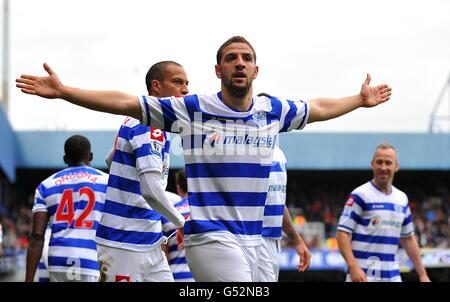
375 219
71 202
276 220
174 249
130 234
228 139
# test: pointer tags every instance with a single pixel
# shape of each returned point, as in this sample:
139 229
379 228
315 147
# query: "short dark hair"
77 148
181 180
156 72
264 94
234 39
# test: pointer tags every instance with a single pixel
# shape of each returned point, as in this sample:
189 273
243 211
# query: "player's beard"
237 91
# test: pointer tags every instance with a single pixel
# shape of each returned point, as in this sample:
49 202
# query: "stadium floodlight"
435 119
5 64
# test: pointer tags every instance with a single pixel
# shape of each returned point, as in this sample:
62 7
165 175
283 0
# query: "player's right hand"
357 274
49 87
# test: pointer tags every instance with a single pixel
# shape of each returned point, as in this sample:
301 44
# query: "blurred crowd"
16 227
431 217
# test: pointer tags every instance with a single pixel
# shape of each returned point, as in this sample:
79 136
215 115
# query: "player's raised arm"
327 108
51 87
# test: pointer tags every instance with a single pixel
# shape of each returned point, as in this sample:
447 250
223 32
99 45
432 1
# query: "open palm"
48 87
373 96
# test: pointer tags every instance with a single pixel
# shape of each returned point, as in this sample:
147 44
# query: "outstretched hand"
49 87
373 96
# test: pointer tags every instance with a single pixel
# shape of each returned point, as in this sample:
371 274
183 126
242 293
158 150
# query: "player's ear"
156 89
91 156
218 71
255 73
65 160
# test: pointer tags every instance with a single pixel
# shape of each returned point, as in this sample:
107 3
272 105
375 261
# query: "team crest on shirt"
260 119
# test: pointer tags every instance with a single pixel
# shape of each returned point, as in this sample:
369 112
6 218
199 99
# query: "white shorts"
69 277
269 260
223 262
124 265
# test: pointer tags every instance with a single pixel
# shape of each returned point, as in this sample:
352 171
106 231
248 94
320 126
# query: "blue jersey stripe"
42 265
235 227
132 237
345 227
39 201
178 260
124 158
407 220
72 261
127 211
182 275
359 201
73 242
124 184
375 239
231 199
227 170
272 232
168 113
292 113
383 274
147 110
302 122
143 150
277 108
192 105
358 219
173 248
127 133
274 210
43 279
57 227
278 167
367 255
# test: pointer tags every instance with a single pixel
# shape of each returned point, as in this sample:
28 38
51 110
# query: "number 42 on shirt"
66 209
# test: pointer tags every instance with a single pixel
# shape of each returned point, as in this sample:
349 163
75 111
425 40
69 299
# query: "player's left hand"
373 96
305 257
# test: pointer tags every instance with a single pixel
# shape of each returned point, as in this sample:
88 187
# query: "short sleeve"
407 226
351 214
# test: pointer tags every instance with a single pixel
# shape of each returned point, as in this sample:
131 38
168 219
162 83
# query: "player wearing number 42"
71 202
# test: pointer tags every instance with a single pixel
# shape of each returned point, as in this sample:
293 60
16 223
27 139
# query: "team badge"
260 119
